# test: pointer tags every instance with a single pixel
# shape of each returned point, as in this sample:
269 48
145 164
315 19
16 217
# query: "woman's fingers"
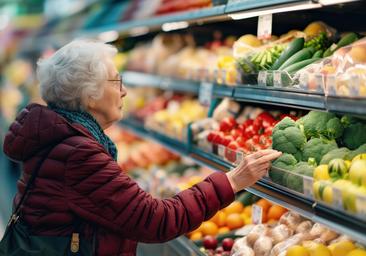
268 157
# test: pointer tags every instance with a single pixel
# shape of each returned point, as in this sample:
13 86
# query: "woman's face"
108 109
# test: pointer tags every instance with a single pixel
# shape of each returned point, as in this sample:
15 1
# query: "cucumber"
299 65
318 54
293 47
347 39
301 55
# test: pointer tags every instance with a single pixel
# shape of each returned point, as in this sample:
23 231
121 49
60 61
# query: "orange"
248 210
209 228
264 217
271 221
264 204
275 212
196 236
234 207
219 219
223 230
234 221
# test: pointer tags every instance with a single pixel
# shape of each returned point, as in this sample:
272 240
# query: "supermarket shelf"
279 96
339 221
244 5
195 15
344 105
138 79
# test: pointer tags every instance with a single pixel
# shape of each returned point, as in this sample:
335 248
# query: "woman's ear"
91 103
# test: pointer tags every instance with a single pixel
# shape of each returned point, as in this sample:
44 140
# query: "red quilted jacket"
80 180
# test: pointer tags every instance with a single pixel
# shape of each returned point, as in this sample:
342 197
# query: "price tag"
337 198
264 26
257 212
239 157
277 79
308 186
205 93
221 151
262 78
354 85
361 205
331 84
165 83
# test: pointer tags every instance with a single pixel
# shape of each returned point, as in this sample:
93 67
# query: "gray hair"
75 73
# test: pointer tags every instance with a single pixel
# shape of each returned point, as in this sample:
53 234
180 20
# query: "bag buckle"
13 219
74 246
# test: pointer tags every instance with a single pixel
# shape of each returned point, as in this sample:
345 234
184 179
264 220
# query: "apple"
210 242
227 244
227 124
226 140
211 136
241 141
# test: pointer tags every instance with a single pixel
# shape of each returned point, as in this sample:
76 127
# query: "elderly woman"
80 180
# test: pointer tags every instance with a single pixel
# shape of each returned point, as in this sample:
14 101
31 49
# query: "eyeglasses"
120 82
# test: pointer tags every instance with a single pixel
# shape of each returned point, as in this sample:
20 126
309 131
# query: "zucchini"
299 65
301 55
293 47
318 54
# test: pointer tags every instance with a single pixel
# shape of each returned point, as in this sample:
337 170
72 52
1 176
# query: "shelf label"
277 79
221 150
239 157
262 78
264 26
308 186
205 93
257 212
361 205
337 198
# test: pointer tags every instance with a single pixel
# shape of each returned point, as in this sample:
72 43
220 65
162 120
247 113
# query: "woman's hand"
252 168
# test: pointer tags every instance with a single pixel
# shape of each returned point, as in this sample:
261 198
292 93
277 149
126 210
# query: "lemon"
357 252
341 248
321 172
328 195
297 250
319 250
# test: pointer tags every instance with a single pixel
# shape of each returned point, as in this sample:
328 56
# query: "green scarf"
89 122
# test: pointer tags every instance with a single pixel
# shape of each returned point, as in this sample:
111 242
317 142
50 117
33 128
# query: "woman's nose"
123 91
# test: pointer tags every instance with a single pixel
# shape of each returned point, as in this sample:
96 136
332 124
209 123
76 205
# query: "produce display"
234 130
217 234
330 151
294 236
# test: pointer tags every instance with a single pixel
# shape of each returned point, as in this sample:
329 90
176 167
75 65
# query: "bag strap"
15 215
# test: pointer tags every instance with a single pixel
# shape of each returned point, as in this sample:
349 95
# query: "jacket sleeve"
99 191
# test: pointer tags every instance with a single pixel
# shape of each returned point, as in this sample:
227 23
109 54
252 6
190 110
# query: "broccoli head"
294 179
318 124
284 162
289 140
360 150
333 154
354 135
283 124
317 148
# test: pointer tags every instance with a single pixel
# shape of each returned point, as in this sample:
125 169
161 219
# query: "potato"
304 226
291 219
263 246
255 233
280 233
